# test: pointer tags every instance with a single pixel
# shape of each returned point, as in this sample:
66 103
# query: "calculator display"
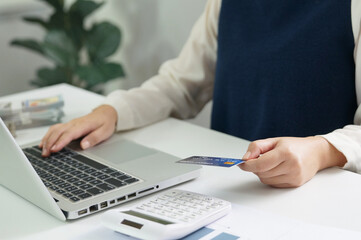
150 218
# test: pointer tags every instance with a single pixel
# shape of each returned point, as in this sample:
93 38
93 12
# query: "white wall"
153 31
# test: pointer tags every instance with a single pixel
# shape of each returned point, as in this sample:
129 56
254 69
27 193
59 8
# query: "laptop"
74 183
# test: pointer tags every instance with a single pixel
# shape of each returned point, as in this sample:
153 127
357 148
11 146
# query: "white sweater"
185 84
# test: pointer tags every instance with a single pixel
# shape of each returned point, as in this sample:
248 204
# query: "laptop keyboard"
75 176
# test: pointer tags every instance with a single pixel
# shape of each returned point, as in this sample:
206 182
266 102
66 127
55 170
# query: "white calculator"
171 215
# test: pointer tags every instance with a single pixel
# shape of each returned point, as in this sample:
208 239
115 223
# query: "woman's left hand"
290 162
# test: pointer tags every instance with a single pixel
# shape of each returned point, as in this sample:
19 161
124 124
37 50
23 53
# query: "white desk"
332 198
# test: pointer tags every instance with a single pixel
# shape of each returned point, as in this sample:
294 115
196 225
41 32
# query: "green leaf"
84 7
57 21
75 20
111 70
50 76
59 47
102 41
36 20
100 73
76 30
30 44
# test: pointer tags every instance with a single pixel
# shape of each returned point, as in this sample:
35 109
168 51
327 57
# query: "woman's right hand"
96 126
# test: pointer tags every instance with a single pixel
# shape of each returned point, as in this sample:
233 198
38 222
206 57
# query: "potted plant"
79 54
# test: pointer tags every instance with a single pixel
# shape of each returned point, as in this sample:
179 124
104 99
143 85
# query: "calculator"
171 215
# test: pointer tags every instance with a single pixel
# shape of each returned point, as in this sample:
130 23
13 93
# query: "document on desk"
246 223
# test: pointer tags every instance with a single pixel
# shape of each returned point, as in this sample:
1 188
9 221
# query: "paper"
245 223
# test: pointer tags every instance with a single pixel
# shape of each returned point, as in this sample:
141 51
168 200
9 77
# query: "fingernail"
53 148
85 145
247 155
45 152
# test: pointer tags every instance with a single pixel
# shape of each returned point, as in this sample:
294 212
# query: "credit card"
212 161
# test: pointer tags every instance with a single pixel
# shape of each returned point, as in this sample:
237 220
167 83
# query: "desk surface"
332 198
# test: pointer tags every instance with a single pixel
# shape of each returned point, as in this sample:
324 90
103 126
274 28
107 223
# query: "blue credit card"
212 161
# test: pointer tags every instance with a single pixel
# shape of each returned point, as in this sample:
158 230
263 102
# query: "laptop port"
132 195
93 208
121 199
112 202
103 204
81 212
145 190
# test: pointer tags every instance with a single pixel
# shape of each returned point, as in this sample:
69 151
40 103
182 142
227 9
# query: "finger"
48 133
95 137
74 132
264 163
259 147
52 138
276 171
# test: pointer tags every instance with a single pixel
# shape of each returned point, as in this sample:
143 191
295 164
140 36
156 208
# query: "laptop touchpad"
120 151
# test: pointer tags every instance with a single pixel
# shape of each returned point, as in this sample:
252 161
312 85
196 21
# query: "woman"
273 68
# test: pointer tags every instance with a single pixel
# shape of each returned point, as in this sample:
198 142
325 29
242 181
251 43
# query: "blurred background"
152 31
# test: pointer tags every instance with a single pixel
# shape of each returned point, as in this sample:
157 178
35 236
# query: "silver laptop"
74 183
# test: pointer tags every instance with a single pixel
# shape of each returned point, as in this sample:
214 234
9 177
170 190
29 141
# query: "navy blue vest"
284 68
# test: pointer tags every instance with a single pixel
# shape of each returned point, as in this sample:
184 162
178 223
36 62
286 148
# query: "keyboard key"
60 191
78 192
95 182
74 199
65 177
102 177
47 168
84 195
57 182
68 195
82 175
86 186
74 179
105 186
79 183
95 174
53 170
63 167
123 177
117 174
64 185
115 182
94 191
131 180
76 172
33 152
59 173
45 175
77 165
70 188
54 188
89 162
108 170
88 179
83 168
69 169
90 170
51 179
